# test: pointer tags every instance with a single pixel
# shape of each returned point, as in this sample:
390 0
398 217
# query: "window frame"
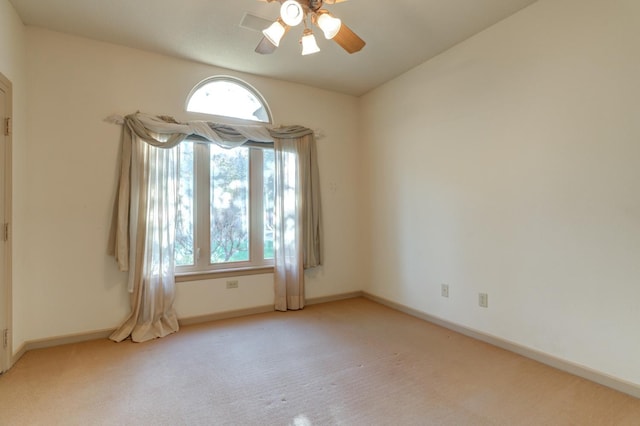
202 268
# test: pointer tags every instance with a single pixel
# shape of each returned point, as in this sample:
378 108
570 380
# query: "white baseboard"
225 315
58 341
544 358
334 298
263 309
19 354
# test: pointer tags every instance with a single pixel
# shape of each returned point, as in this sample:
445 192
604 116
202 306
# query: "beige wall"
74 84
13 66
511 165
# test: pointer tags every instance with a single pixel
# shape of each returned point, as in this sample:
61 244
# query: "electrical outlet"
232 284
483 300
444 290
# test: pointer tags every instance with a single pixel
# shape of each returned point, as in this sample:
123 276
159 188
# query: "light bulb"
275 32
291 13
309 44
328 24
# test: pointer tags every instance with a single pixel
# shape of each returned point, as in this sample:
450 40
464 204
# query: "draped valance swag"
143 229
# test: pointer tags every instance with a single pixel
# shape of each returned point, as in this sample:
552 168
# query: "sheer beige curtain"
151 184
143 230
298 227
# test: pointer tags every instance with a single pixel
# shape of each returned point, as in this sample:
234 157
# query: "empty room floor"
351 362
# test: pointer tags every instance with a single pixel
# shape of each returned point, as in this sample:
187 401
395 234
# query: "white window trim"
202 237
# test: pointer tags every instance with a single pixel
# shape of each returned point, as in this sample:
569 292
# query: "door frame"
6 87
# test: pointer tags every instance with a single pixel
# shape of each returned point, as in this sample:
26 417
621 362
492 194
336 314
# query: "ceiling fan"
295 12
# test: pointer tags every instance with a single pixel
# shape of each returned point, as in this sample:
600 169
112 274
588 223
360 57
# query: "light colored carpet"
352 362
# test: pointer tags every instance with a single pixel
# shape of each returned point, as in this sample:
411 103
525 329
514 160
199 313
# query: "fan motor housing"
315 4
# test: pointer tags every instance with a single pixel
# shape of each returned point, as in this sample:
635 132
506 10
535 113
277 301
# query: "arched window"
228 97
225 217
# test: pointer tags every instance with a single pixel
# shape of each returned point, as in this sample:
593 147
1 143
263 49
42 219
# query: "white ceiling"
400 34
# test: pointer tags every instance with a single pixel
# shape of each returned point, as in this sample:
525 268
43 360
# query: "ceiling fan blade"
349 40
265 47
254 22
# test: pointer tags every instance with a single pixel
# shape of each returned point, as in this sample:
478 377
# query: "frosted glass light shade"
291 13
275 32
309 43
328 24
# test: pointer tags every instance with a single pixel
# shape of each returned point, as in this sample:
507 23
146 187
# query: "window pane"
268 170
229 211
184 247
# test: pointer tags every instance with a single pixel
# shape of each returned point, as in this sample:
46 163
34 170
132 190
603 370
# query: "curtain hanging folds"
146 127
142 233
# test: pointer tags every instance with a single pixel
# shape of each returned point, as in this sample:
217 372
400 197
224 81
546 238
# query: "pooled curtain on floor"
143 230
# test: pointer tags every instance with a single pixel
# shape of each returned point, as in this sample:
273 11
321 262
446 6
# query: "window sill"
222 273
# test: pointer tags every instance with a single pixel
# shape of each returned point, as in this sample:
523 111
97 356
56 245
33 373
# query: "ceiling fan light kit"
309 43
328 24
276 31
291 13
295 12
